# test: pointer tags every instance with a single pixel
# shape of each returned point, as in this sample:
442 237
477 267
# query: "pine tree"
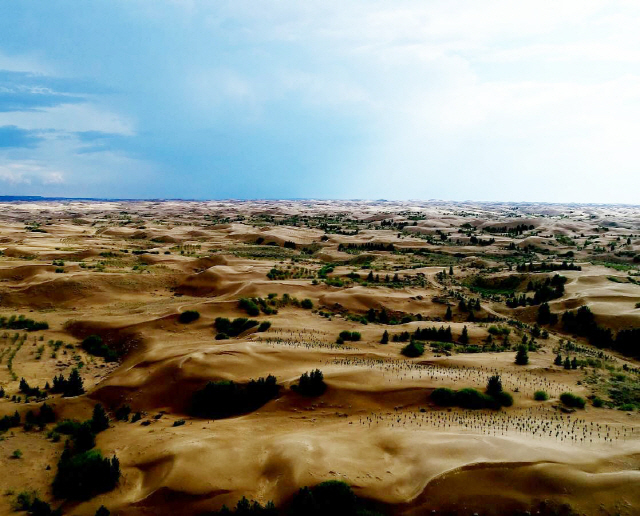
574 363
567 363
103 511
494 385
464 338
522 357
100 419
544 314
558 360
448 316
370 277
74 385
385 337
450 270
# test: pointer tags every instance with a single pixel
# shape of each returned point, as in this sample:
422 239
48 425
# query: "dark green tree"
74 386
494 385
464 338
522 357
100 419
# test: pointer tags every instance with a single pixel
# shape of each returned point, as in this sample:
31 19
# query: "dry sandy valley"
411 358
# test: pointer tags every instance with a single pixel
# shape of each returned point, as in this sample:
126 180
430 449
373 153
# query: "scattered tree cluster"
227 328
227 398
311 384
22 323
94 345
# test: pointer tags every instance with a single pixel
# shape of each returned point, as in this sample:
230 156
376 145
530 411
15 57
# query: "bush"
353 336
307 304
83 438
94 345
444 397
540 396
122 413
598 402
246 507
235 327
413 349
571 400
9 422
331 497
264 326
311 384
227 398
249 306
30 502
83 475
188 316
473 399
503 399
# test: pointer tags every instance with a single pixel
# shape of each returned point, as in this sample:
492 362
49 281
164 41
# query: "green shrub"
311 384
264 326
30 502
235 327
67 426
504 399
413 349
571 400
307 304
540 396
94 345
249 306
331 497
444 397
188 316
227 398
83 475
598 402
353 336
627 407
122 413
472 399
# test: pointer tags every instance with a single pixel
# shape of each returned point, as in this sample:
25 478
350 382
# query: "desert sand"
126 270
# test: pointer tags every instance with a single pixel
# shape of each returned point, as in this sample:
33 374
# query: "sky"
457 100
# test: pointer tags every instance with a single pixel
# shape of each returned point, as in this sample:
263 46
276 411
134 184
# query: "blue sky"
452 99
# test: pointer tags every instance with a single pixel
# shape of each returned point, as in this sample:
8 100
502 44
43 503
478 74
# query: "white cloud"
70 118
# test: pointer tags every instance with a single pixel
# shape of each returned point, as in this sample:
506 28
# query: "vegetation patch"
218 400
